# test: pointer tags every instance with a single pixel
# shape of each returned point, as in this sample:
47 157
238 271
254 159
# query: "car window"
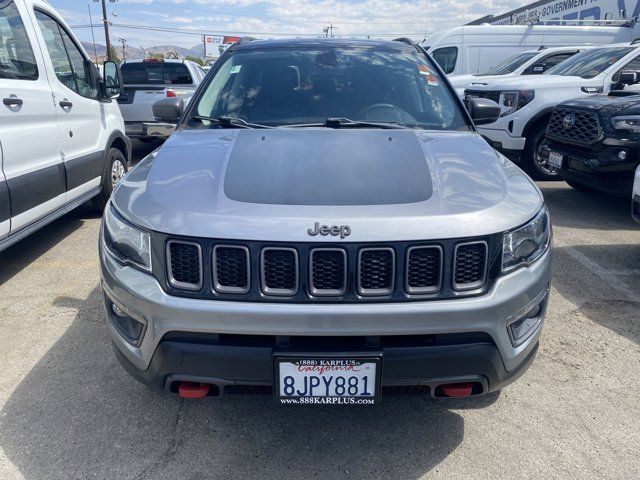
510 64
16 56
156 72
446 58
553 60
284 86
68 62
590 63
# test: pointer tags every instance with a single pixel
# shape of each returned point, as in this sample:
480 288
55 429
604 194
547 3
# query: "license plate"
327 380
555 159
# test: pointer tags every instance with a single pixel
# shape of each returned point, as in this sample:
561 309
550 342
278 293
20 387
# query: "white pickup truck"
529 62
527 102
149 80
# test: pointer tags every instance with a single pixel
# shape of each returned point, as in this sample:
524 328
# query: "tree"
193 58
114 54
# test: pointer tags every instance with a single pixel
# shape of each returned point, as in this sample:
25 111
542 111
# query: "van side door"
81 116
31 158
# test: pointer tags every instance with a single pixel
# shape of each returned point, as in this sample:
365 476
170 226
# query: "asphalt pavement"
68 411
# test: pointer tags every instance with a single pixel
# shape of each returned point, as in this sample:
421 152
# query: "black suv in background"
595 142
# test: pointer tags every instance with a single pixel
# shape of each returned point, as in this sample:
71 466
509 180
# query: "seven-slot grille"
349 272
574 126
470 265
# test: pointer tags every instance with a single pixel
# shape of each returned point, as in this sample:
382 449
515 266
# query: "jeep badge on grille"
335 230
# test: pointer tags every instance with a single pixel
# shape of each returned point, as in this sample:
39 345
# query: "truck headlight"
513 101
128 244
528 243
629 123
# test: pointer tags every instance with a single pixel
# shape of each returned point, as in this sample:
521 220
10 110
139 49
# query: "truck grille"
348 272
574 126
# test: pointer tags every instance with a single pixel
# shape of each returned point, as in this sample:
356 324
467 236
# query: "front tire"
533 163
115 168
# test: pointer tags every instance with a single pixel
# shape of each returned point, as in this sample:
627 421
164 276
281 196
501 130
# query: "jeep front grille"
376 270
231 269
328 271
470 265
584 129
424 269
344 272
279 271
184 260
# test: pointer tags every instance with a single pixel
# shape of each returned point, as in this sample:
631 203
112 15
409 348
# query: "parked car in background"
326 225
476 48
635 201
530 62
62 139
149 80
527 102
594 142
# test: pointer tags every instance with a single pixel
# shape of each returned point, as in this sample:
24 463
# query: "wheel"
114 169
535 164
581 187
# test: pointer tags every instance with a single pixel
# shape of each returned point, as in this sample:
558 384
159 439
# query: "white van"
475 48
62 138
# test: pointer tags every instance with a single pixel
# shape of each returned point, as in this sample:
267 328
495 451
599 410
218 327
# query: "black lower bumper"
599 167
233 366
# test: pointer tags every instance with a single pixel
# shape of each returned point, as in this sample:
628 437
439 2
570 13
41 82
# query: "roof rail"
621 22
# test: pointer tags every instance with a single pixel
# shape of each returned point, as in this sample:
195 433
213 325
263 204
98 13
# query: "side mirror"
112 79
629 77
168 110
483 111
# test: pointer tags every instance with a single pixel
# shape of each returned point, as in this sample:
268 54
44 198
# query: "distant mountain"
134 52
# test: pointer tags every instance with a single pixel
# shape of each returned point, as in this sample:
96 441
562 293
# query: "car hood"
533 82
276 184
607 104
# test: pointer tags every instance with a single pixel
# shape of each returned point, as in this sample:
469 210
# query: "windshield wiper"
339 122
229 122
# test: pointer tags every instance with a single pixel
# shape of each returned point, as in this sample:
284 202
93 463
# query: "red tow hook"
193 390
457 389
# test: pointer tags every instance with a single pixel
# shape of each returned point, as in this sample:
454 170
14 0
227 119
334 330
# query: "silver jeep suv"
326 225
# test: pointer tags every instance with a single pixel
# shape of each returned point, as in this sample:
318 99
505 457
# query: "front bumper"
503 141
191 338
599 166
149 129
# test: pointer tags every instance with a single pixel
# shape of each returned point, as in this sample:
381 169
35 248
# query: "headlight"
630 123
125 242
526 244
512 101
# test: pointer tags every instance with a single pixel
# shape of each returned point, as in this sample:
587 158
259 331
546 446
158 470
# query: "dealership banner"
572 10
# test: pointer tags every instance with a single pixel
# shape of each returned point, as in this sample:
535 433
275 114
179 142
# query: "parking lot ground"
67 409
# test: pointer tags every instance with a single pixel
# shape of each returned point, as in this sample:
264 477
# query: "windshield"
590 63
509 65
286 86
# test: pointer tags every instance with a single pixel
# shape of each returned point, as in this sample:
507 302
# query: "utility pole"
328 31
124 44
93 37
105 21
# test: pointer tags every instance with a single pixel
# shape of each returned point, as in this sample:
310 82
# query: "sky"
273 18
